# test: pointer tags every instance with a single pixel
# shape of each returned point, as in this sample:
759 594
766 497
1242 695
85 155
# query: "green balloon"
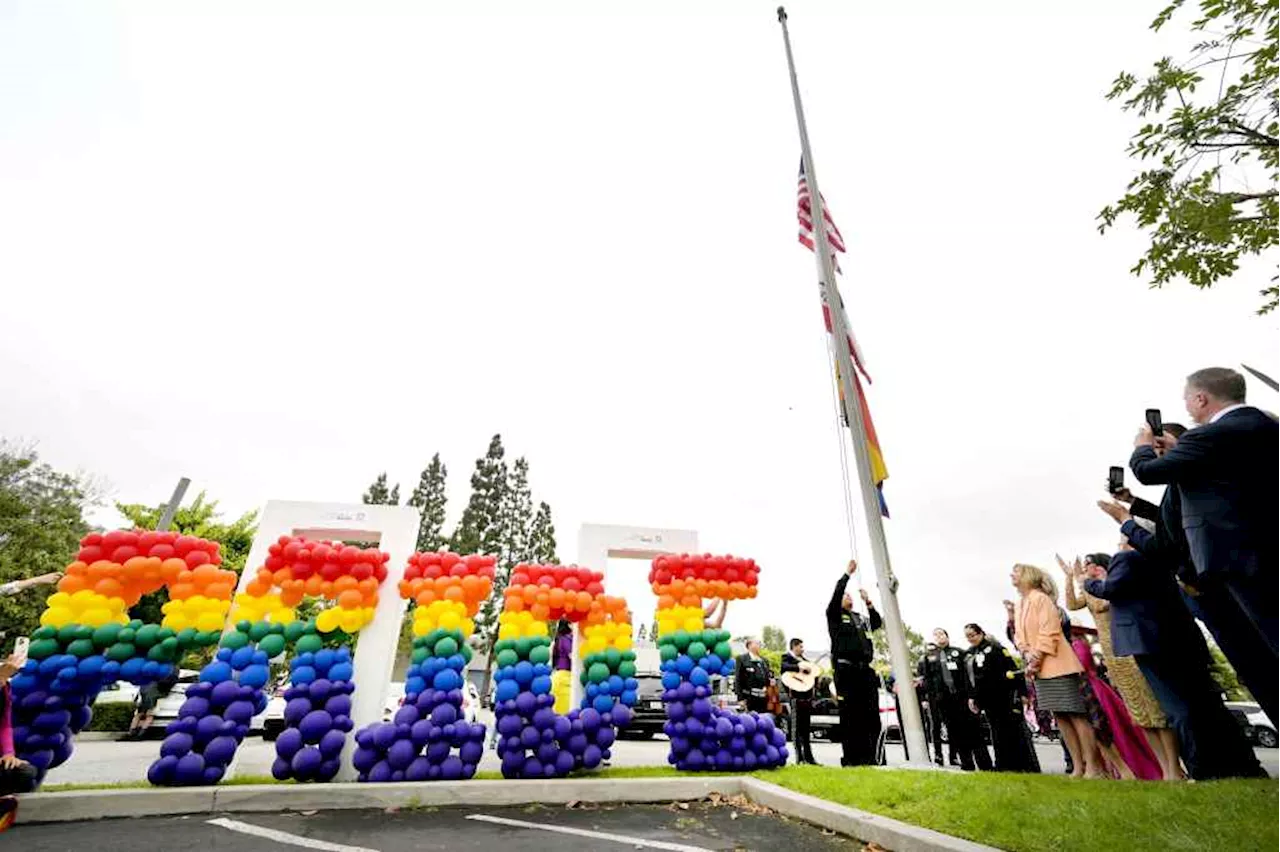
81 648
147 635
165 633
126 635
523 646
135 623
276 628
293 631
206 637
310 628
507 657
466 653
84 631
697 650
159 653
67 633
434 636
259 631
106 635
540 655
724 651
235 640
613 658
272 645
502 645
41 648
598 673
681 639
47 632
419 654
309 644
243 625
446 647
186 636
121 651
627 669
668 652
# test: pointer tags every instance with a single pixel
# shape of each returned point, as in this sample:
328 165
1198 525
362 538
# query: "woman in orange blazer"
1053 664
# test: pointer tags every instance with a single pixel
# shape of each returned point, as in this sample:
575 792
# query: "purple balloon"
331 744
532 767
471 752
510 725
438 751
685 692
219 751
344 724
364 759
161 772
223 694
547 753
305 763
590 720
420 732
213 774
444 714
194 706
622 715
451 769
288 743
605 737
338 705
724 728
401 754
526 704
295 710
418 770
591 756
406 715
701 709
208 728
384 735
315 725
380 773
530 737
239 712
176 745
189 770
320 689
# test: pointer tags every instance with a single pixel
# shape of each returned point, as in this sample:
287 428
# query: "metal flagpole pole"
885 581
171 508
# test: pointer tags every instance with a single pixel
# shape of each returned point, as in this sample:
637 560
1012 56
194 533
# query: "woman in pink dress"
1123 743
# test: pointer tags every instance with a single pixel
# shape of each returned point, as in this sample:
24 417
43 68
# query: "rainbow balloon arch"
87 640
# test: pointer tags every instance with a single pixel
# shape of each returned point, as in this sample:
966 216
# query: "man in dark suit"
801 704
1167 545
1226 475
1150 623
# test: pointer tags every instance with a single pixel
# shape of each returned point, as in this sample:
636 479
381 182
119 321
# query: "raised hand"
853 567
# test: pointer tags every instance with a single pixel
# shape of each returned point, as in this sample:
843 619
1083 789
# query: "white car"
168 706
120 692
470 701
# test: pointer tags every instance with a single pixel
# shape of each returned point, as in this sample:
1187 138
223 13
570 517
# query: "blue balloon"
303 674
341 671
447 679
212 673
507 690
414 686
684 664
602 704
131 669
224 655
524 672
699 677
540 685
323 659
254 676
241 658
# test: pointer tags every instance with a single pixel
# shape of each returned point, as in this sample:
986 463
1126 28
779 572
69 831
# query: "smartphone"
1115 479
20 646
1153 420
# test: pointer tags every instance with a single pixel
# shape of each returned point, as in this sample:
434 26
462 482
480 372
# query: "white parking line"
285 837
598 835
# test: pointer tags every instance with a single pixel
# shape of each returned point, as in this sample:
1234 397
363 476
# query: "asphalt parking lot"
702 826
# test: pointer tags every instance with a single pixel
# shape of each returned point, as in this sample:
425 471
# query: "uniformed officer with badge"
947 687
857 687
752 679
996 689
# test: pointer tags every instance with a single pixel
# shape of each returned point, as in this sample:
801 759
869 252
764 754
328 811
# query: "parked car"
648 715
168 705
120 692
1257 727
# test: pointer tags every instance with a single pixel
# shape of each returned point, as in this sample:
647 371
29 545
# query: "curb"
84 805
862 825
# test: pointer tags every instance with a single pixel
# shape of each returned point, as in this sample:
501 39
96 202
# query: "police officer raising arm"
856 684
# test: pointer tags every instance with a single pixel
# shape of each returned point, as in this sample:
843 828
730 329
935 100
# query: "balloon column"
535 741
418 744
705 737
213 721
86 640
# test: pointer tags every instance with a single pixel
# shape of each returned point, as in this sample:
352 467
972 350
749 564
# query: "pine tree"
542 537
378 495
517 517
430 498
480 530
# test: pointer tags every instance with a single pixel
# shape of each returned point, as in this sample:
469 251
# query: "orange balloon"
556 598
368 586
454 593
344 583
222 591
73 583
426 597
314 585
514 605
350 599
541 612
181 591
291 596
471 586
326 589
666 602
404 587
109 587
204 574
78 568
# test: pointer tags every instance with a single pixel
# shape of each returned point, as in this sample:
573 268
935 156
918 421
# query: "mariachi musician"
800 676
752 679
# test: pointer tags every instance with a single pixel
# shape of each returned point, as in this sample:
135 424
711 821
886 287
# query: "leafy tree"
378 495
516 520
1209 143
773 639
41 523
880 644
480 530
1224 675
200 518
773 659
430 499
542 538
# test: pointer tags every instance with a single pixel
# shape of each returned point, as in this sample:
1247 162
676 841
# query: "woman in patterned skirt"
1052 663
1123 672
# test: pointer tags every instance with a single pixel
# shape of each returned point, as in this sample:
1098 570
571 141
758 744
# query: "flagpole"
885 581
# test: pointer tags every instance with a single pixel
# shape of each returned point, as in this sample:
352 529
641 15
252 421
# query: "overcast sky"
279 247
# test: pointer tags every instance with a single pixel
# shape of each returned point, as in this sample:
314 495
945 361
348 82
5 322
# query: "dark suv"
648 715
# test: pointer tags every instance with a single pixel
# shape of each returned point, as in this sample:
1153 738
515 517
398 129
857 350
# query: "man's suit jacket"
1227 480
1147 613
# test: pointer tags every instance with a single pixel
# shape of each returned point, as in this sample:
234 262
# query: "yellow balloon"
208 621
55 617
623 643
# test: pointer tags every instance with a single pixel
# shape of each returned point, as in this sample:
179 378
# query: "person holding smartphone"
16 775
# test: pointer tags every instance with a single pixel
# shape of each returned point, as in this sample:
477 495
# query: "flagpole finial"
782 14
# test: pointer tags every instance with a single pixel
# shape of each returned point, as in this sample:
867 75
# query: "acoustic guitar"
801 681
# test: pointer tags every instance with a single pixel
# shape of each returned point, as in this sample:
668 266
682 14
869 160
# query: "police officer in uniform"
996 689
947 686
801 704
856 683
752 678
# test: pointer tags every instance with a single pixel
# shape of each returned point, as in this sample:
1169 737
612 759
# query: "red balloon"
196 558
162 551
363 571
91 539
123 554
184 544
148 540
348 555
90 554
380 571
331 571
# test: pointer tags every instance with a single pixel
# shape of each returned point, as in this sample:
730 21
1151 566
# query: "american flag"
805 214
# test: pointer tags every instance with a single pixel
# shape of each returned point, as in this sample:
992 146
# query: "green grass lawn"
1021 813
1053 812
